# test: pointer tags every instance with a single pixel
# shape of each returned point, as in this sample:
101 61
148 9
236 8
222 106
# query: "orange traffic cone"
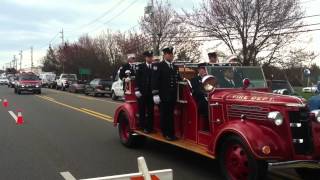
5 103
19 119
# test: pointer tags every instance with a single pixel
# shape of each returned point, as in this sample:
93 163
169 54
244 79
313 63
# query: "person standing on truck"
213 57
143 92
198 91
128 69
164 89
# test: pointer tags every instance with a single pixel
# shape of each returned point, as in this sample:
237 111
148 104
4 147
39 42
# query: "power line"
117 15
110 10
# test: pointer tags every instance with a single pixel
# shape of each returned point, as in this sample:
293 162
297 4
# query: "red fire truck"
249 129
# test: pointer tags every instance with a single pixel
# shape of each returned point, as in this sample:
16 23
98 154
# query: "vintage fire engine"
249 130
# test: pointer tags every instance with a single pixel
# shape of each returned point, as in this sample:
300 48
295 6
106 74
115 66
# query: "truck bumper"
29 89
310 164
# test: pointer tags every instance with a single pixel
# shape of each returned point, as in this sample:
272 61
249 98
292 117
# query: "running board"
184 144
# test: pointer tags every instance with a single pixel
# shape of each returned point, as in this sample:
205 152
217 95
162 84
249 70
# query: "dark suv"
98 87
27 83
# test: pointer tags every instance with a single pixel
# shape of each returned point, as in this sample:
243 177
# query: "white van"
47 78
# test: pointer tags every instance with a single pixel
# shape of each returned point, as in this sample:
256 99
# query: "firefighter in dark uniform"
164 89
143 92
198 92
128 69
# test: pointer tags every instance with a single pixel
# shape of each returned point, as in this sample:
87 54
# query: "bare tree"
170 31
249 27
132 42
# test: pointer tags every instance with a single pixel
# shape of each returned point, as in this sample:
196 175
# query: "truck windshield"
69 77
231 76
29 78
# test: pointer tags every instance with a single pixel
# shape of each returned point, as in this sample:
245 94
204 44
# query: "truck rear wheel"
126 136
237 162
308 174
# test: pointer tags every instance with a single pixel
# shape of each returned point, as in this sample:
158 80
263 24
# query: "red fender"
130 109
255 136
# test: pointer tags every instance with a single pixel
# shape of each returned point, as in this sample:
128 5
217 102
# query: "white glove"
127 79
156 99
138 94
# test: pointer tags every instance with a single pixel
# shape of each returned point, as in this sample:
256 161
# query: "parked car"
281 87
27 82
117 88
249 131
4 81
65 80
98 87
311 89
77 87
47 78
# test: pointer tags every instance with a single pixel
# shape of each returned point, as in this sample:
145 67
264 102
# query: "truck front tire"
237 162
126 136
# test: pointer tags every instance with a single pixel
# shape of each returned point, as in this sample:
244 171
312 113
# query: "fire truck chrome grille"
301 131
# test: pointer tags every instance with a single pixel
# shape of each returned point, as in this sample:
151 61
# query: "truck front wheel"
126 136
308 174
237 162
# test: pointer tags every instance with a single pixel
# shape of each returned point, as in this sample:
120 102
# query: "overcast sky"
26 23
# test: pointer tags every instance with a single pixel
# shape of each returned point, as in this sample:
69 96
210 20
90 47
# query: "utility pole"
31 49
154 32
14 61
62 36
20 59
150 10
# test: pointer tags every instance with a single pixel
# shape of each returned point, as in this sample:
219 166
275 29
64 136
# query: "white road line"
13 115
67 175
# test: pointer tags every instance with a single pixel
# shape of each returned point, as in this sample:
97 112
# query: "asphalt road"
73 133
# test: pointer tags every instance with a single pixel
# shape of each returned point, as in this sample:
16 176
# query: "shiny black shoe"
146 131
170 138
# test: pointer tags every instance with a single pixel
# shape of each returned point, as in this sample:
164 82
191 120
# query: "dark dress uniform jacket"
143 79
199 95
164 81
126 67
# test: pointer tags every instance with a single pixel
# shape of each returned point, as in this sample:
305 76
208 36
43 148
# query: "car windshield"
69 77
276 85
231 76
28 78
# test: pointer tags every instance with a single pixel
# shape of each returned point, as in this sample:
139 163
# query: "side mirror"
246 83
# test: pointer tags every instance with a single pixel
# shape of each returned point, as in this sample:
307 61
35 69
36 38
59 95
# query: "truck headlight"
316 114
276 116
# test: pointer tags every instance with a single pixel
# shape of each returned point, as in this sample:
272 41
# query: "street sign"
83 71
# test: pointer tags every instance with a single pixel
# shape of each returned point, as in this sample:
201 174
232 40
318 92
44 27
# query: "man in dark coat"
143 92
164 89
213 57
128 69
227 80
198 91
